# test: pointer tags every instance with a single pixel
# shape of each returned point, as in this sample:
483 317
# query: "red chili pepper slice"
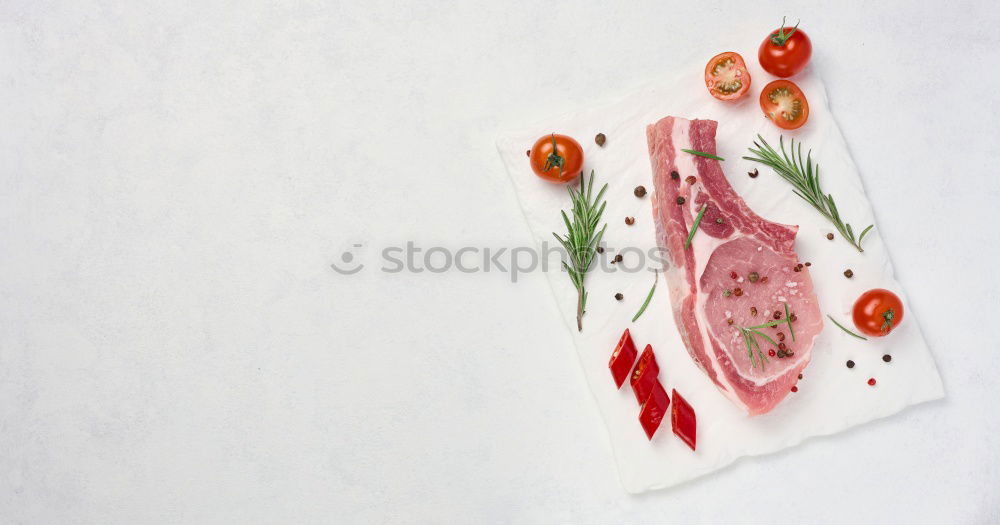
644 375
654 409
622 358
683 421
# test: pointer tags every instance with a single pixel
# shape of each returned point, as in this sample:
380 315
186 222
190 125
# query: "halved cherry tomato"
877 312
622 358
644 376
785 51
557 158
726 76
783 102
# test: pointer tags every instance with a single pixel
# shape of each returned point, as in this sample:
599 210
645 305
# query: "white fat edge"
703 248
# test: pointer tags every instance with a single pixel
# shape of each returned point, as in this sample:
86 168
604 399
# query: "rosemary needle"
648 297
702 154
846 330
694 227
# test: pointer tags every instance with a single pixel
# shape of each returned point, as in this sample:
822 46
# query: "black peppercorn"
850 364
640 191
674 175
619 296
848 273
600 139
680 200
887 358
829 236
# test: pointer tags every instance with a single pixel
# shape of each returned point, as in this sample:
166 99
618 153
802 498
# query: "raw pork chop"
739 271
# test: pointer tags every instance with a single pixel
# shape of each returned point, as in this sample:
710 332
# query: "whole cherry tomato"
726 76
783 103
556 158
785 52
877 312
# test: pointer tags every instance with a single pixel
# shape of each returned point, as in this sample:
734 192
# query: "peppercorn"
600 139
887 358
640 191
783 347
690 179
680 200
630 220
753 311
600 249
753 174
729 321
795 389
733 275
796 269
770 352
727 293
529 152
871 381
829 236
674 175
781 353
848 273
618 258
789 353
850 364
809 264
777 315
763 279
738 292
792 317
781 336
619 296
800 376
753 277
719 220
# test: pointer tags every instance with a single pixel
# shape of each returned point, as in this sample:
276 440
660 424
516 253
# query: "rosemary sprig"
702 154
648 297
863 338
694 227
582 238
750 337
805 179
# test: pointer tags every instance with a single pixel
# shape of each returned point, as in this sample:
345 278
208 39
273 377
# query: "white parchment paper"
831 397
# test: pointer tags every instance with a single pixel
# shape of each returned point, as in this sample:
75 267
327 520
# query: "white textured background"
176 181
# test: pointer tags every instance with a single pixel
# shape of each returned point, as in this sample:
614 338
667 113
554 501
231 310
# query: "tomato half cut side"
644 376
727 77
784 104
622 359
